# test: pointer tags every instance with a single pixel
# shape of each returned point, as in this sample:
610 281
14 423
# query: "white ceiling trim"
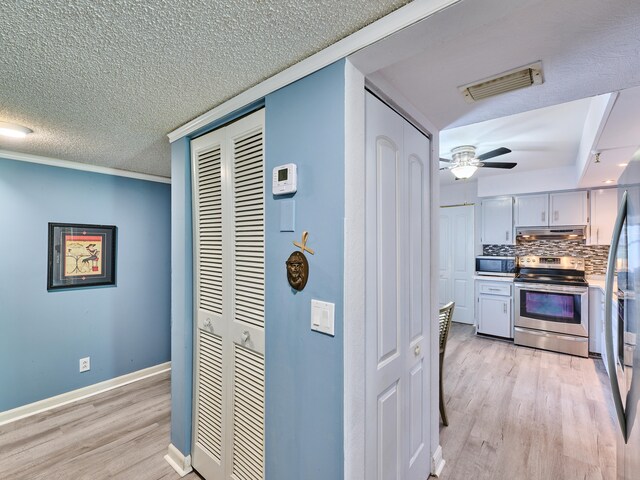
594 125
55 162
395 21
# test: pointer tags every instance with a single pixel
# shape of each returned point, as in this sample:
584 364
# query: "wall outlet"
85 364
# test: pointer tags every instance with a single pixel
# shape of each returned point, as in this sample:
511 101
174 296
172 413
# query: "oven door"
552 308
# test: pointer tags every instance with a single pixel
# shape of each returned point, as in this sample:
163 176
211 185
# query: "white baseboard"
437 462
178 461
80 394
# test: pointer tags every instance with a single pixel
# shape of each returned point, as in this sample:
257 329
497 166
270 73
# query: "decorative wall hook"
303 244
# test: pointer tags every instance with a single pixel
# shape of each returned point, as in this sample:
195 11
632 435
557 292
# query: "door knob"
245 336
417 350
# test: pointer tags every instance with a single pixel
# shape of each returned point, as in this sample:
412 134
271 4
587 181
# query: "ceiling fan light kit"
464 162
14 130
464 171
515 79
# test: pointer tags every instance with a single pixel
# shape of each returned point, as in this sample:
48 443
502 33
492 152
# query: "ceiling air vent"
504 82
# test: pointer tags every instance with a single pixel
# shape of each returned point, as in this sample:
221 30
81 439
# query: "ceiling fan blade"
494 153
445 160
498 164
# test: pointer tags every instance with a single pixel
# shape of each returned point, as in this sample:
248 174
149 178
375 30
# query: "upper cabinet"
551 209
497 221
532 210
568 208
604 209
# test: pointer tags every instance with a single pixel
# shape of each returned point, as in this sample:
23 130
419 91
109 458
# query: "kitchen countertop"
598 281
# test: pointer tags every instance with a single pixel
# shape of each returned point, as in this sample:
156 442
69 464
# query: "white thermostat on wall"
285 179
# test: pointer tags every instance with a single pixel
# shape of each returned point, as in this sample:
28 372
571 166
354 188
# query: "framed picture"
81 255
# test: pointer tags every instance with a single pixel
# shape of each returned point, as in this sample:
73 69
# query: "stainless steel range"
551 302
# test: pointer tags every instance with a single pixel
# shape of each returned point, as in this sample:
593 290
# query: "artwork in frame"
81 255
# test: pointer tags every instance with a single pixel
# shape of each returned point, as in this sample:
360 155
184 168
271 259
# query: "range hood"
524 234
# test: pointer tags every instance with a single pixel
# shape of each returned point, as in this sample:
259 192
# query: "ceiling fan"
464 162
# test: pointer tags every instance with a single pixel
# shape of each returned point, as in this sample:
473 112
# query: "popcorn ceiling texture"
595 255
104 82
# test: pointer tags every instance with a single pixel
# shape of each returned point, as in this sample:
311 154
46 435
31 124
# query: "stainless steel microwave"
497 266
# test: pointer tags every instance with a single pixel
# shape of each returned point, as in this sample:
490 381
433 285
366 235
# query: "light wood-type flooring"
120 434
517 413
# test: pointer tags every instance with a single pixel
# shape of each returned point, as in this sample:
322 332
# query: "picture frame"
81 255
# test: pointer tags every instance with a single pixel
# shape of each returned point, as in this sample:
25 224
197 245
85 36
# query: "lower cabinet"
596 320
495 312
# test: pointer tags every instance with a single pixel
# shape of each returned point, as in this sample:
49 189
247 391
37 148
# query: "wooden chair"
446 314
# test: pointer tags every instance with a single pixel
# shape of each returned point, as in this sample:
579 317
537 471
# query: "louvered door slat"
249 229
248 414
210 405
210 234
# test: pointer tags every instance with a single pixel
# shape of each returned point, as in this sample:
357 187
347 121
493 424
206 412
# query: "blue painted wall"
43 334
181 296
304 379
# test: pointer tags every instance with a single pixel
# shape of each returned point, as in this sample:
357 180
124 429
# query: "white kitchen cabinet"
604 209
596 320
497 221
494 308
568 208
532 210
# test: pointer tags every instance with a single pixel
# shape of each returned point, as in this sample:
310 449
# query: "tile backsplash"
595 255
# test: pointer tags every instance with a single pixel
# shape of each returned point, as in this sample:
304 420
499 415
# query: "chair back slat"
445 317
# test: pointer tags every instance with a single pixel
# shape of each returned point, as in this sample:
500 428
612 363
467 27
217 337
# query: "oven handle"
551 288
608 311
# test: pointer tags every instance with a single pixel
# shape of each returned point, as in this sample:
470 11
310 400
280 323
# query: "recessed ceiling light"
609 181
14 130
623 164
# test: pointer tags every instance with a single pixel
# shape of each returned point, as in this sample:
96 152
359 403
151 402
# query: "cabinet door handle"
494 289
506 236
504 307
543 215
555 215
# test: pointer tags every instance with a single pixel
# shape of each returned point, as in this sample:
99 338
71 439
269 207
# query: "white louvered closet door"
228 413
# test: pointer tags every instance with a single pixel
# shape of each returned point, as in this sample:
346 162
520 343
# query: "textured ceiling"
102 83
587 47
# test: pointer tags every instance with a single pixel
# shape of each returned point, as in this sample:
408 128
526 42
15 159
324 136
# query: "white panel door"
461 260
416 371
397 297
445 257
228 413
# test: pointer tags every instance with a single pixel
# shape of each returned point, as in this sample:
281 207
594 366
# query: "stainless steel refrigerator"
622 321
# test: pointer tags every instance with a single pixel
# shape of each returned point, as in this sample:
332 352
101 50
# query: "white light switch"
322 317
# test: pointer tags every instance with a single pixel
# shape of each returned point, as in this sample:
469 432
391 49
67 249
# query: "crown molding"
55 162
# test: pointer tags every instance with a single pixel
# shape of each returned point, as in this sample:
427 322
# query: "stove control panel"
562 263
